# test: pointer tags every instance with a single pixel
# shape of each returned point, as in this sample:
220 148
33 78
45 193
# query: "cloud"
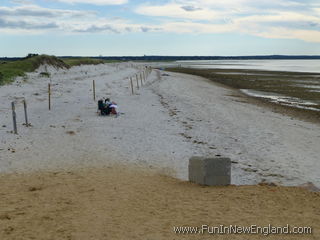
145 29
252 5
24 2
208 9
283 18
291 19
33 19
97 29
95 2
26 25
174 10
279 32
36 11
196 28
150 29
36 19
190 8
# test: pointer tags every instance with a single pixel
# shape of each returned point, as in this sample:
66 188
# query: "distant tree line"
30 55
184 58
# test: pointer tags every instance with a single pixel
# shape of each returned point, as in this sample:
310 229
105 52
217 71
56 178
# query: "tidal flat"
296 93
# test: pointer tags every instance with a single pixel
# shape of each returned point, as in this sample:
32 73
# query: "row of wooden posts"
14 116
143 77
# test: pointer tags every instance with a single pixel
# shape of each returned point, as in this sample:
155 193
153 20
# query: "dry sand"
60 181
125 202
168 120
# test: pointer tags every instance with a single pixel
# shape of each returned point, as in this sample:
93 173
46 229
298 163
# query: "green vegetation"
44 74
11 69
82 61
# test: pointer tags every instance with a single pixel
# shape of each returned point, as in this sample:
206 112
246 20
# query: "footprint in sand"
71 133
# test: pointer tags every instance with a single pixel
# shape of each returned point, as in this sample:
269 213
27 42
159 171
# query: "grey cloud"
148 29
26 25
190 8
31 11
314 24
25 2
96 29
145 29
292 24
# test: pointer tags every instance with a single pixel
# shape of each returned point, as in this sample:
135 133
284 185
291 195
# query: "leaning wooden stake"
49 95
131 86
25 113
141 78
14 118
137 81
94 90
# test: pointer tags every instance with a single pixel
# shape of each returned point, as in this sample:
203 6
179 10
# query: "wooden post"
131 86
94 90
25 112
49 95
14 118
158 75
137 81
141 78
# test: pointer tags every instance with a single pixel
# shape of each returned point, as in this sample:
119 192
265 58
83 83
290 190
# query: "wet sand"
288 89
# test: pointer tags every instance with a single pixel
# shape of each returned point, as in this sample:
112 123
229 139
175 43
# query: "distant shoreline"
186 58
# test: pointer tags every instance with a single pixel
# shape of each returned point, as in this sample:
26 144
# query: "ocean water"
311 66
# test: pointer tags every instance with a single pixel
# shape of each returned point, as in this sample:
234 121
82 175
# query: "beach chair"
101 107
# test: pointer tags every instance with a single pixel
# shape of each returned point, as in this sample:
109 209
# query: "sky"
154 27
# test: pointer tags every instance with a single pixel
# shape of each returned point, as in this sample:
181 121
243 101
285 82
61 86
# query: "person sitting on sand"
114 108
104 106
107 101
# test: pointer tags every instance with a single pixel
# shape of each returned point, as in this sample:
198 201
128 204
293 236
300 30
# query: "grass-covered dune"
11 69
82 61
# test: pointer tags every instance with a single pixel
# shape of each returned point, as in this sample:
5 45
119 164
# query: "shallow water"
312 66
301 78
282 99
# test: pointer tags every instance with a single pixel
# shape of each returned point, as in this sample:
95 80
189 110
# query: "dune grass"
11 69
82 61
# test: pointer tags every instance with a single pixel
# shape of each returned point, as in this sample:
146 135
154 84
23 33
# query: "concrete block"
211 171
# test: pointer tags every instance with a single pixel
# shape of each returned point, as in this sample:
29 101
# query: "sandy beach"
76 175
162 125
127 202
